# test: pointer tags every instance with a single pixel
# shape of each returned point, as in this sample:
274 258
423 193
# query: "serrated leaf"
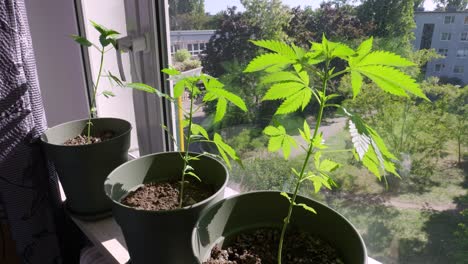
108 94
304 77
221 107
307 135
217 93
294 102
356 82
328 165
279 139
340 50
318 141
278 47
384 58
282 90
224 149
268 60
281 77
365 47
360 140
142 87
82 41
392 81
307 208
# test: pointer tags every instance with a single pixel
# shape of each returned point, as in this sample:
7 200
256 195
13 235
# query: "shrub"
182 55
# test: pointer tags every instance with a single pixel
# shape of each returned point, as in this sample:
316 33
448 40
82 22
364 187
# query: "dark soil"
165 195
83 139
261 247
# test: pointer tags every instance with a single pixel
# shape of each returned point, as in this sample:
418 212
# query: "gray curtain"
27 191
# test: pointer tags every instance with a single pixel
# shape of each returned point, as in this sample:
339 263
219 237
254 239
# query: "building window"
464 36
446 36
459 69
190 47
462 52
443 52
466 20
449 20
439 67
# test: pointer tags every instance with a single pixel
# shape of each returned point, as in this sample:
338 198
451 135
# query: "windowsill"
107 236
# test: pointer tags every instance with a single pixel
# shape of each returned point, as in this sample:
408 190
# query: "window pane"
403 220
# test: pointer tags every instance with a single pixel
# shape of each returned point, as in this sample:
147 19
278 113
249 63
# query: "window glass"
458 69
462 52
190 47
443 52
466 20
446 36
408 220
449 20
464 36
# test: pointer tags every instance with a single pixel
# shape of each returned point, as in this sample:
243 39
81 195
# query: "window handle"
132 45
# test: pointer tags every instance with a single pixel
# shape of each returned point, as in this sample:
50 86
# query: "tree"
457 4
187 14
230 41
268 15
392 18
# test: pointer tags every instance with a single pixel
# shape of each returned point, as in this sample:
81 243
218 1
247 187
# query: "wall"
58 58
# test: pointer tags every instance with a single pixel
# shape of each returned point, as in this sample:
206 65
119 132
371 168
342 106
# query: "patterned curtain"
27 191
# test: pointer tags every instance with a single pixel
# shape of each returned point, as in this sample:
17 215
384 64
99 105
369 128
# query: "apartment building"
447 33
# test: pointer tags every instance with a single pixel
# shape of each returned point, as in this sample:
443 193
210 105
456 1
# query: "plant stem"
186 156
93 98
304 165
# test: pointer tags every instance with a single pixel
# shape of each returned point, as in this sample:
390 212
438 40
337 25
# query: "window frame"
439 67
462 67
464 36
448 34
444 51
451 19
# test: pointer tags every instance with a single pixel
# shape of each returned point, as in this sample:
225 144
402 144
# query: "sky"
214 6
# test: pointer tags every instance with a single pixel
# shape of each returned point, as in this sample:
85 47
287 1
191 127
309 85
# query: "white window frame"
448 34
451 20
462 52
466 20
464 36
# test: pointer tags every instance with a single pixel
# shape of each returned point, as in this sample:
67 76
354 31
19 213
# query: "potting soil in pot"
261 247
83 139
165 195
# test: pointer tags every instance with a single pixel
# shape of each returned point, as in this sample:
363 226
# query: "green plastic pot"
254 210
161 236
83 169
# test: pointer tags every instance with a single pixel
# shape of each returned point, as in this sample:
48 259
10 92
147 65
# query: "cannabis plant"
107 41
213 91
289 70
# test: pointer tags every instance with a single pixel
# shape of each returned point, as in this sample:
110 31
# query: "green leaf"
179 88
307 208
340 50
306 132
285 195
268 60
214 93
142 87
294 102
318 141
328 165
197 129
100 28
282 90
384 58
82 40
392 81
278 47
279 139
170 71
281 77
356 82
224 149
108 94
193 175
365 47
221 107
116 79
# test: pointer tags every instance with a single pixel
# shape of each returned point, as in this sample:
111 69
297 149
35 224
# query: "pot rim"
43 135
196 227
196 205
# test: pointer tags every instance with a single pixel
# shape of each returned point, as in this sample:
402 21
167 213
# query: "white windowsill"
107 236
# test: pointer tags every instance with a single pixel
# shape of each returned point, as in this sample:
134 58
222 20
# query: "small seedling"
289 70
213 91
107 42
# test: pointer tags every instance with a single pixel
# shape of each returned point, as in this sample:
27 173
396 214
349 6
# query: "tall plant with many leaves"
289 69
213 91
